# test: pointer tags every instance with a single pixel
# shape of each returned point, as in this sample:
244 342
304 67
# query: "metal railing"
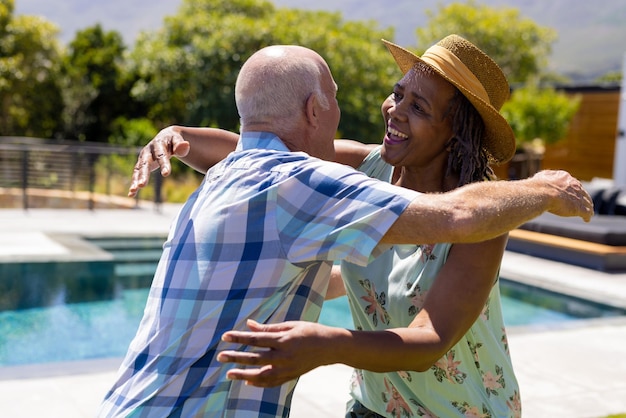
28 163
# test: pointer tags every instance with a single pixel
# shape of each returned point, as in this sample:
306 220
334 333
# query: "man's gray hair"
270 90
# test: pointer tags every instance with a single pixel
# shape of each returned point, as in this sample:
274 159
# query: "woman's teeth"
397 134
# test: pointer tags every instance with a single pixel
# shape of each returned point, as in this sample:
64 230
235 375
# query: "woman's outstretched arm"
202 148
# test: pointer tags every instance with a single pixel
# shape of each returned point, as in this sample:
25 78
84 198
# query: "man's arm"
202 148
484 210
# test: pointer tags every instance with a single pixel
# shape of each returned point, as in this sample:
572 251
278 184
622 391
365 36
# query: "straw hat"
478 77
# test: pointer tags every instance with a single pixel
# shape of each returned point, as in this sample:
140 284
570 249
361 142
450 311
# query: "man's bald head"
275 82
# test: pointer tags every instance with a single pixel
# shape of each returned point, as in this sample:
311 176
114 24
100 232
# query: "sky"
593 49
128 17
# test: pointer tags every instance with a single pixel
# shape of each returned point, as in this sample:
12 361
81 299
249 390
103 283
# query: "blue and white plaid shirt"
256 240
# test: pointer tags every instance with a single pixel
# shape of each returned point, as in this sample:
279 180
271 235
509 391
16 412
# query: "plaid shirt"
256 240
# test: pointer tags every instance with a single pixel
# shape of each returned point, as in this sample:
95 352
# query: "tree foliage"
539 115
519 45
610 77
30 96
96 89
187 70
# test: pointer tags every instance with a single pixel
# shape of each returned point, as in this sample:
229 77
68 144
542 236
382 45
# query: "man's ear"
311 110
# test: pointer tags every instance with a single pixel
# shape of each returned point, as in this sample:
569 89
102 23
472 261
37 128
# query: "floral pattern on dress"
471 411
398 273
422 411
447 368
376 303
515 405
484 314
493 382
397 406
427 252
405 375
505 341
356 379
416 298
474 350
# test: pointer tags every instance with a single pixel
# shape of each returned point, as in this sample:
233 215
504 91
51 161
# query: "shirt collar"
262 140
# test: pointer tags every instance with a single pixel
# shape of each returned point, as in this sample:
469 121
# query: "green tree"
539 116
610 77
187 70
519 46
96 86
30 96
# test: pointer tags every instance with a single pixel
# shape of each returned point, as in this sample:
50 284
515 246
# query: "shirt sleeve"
331 212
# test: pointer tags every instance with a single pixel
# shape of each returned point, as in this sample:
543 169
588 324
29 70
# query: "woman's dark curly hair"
468 158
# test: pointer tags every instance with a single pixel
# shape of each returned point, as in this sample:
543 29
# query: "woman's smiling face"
418 123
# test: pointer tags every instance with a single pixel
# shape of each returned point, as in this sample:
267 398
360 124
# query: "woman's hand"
290 349
157 153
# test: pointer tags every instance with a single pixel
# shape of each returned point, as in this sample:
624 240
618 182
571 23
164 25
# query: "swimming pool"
52 312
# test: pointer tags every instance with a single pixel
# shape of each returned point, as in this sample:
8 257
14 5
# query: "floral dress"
474 379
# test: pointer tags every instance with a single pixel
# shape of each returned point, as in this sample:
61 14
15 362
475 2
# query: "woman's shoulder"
352 153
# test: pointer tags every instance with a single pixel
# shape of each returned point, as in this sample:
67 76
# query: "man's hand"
290 350
157 153
571 197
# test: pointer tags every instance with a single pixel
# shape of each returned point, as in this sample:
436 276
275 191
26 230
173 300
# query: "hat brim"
499 139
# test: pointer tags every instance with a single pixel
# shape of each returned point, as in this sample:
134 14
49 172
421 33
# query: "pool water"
522 305
94 312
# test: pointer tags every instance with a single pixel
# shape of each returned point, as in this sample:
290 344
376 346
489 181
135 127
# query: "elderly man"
258 238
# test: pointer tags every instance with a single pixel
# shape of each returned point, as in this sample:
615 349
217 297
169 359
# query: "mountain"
592 35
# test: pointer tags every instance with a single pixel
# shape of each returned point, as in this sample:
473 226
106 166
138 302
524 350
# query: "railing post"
109 169
92 178
158 187
25 156
73 172
52 154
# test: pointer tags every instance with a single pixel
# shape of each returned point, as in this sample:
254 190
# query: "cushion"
602 229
